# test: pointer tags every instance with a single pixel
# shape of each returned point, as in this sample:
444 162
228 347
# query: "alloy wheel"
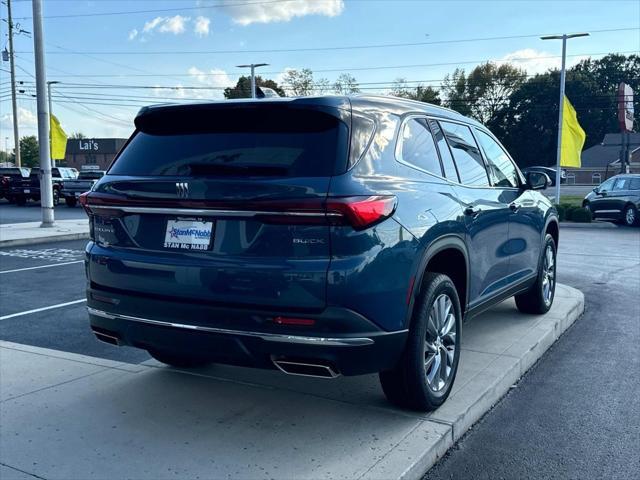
630 216
440 342
549 275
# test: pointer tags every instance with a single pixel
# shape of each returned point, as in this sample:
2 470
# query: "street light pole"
46 188
564 38
14 103
53 160
253 67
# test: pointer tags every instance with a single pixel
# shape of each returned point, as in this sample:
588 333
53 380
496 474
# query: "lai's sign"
625 107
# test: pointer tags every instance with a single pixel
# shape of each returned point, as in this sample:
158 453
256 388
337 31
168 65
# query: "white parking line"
40 266
36 310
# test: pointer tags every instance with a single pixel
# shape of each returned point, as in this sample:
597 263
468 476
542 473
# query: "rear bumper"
341 339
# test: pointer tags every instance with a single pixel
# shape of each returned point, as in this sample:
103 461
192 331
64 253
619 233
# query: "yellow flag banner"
58 139
573 137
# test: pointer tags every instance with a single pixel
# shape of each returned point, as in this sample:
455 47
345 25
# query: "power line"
332 48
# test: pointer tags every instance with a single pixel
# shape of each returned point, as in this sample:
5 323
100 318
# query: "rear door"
221 205
486 215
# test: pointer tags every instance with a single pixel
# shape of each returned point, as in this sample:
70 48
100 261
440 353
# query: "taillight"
362 212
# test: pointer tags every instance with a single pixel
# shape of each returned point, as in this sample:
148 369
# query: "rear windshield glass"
237 142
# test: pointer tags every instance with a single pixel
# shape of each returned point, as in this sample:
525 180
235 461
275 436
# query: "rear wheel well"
552 229
451 262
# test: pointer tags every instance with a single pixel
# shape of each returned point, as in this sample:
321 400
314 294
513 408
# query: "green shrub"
581 215
561 212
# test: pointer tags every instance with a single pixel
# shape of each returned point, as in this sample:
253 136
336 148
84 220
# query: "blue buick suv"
320 236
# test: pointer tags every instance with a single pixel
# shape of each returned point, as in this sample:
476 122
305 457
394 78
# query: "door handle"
472 211
513 206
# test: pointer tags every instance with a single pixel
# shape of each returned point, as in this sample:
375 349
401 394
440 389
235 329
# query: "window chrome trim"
269 337
400 142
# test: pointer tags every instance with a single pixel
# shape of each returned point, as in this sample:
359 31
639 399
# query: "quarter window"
501 168
419 148
466 154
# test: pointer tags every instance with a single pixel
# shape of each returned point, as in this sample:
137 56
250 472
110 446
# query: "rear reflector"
307 322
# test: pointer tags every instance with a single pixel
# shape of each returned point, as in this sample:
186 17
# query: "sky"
112 57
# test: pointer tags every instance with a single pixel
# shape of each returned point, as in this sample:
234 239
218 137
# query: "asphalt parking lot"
31 212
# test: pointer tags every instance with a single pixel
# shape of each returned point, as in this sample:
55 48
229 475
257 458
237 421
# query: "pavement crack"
22 471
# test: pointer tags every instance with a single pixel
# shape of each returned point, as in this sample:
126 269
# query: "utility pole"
14 103
253 67
53 160
564 38
46 188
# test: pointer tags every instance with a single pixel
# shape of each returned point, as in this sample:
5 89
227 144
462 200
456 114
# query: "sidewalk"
76 417
30 233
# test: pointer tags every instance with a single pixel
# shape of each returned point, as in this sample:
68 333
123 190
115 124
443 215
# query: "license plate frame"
189 234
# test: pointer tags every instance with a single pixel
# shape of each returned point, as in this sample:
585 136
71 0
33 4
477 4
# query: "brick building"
92 151
602 161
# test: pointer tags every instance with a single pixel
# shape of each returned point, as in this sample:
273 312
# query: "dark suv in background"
617 198
320 236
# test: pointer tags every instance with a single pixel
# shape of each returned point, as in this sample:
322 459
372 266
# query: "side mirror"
538 180
596 190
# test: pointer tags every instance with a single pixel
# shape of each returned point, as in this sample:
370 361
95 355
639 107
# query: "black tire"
178 359
71 201
537 300
20 200
56 197
407 385
630 215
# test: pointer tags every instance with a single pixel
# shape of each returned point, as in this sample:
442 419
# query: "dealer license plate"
26 190
188 234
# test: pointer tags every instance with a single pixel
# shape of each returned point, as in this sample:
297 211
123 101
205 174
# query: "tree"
77 135
243 87
484 91
30 155
528 124
345 84
420 93
299 82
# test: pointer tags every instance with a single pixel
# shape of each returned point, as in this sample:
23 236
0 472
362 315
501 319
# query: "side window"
606 186
502 170
466 154
621 184
634 184
445 154
418 147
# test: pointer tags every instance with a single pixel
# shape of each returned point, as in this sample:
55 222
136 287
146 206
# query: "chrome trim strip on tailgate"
207 211
269 337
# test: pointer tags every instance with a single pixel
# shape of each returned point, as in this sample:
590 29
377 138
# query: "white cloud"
177 92
246 14
26 119
215 77
201 26
175 25
537 61
133 34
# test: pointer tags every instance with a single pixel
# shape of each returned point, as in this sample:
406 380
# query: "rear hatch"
220 203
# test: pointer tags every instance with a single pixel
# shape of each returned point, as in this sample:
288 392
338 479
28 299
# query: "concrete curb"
30 233
35 241
594 224
459 413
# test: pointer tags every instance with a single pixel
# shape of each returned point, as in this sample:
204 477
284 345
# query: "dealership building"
91 151
602 161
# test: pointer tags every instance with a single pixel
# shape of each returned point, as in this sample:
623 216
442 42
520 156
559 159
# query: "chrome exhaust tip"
105 337
305 369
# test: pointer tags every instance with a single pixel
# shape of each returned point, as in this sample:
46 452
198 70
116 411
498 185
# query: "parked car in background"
21 190
617 198
319 236
72 189
551 173
6 176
